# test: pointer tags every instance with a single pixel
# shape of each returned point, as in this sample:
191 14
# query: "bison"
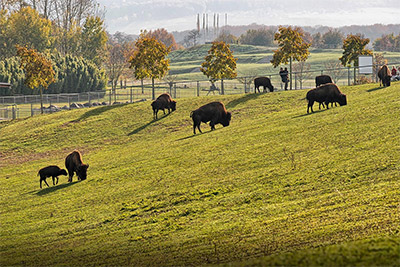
384 76
50 171
322 79
163 102
265 82
327 93
213 112
73 163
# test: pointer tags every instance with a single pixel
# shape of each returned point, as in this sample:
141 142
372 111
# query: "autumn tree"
38 70
94 40
332 39
165 37
149 59
291 47
219 63
354 46
24 27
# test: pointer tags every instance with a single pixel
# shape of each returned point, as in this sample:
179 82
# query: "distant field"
276 187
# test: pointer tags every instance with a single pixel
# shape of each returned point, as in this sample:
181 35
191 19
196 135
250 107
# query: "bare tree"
302 72
247 78
335 70
192 38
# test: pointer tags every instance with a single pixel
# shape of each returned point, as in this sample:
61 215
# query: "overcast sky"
131 16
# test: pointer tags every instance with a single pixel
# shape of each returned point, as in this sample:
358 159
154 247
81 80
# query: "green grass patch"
276 187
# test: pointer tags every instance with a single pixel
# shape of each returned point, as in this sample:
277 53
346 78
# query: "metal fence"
12 107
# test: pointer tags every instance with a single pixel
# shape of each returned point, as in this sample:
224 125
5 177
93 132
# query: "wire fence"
12 107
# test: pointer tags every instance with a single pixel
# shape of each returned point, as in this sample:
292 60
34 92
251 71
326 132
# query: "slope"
276 181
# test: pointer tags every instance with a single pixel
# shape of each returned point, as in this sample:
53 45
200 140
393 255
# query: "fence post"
131 92
14 115
89 98
295 80
198 88
348 76
31 109
174 90
109 102
222 87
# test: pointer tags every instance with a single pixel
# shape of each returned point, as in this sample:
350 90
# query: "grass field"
276 187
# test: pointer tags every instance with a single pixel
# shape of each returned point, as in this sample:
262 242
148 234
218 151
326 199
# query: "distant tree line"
388 42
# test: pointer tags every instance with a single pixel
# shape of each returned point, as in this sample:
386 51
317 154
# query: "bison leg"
54 179
44 181
70 174
310 105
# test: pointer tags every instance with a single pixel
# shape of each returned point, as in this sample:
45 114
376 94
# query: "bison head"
342 100
173 105
82 171
225 121
63 172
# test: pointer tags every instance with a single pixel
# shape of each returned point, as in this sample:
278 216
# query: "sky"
132 16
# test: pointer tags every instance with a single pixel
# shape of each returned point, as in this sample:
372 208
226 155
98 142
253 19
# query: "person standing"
284 76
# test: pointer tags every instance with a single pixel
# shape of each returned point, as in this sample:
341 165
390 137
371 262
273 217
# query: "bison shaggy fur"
163 102
384 76
322 79
265 82
327 93
213 112
73 163
50 171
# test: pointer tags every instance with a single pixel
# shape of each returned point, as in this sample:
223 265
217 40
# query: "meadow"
276 187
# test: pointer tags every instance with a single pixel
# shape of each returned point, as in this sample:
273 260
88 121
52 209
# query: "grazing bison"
384 76
322 79
265 82
73 163
327 93
162 102
213 112
50 171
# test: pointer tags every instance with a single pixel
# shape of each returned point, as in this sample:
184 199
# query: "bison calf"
265 82
50 171
213 112
73 163
326 93
163 102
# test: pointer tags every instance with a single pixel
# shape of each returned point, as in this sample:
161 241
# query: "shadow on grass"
243 99
51 189
97 111
308 114
147 124
375 89
194 135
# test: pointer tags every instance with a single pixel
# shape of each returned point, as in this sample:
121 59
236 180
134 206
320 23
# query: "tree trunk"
290 73
41 99
153 93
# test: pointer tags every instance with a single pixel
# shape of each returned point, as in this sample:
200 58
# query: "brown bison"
73 163
265 82
50 171
163 102
384 76
213 112
322 79
326 93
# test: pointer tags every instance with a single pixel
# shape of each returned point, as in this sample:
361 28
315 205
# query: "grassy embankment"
298 189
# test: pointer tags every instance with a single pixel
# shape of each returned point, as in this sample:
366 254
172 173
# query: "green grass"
276 187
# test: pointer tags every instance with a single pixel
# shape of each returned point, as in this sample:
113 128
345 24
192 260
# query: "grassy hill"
251 59
277 186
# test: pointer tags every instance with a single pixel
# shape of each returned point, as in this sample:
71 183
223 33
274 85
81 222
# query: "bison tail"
191 114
